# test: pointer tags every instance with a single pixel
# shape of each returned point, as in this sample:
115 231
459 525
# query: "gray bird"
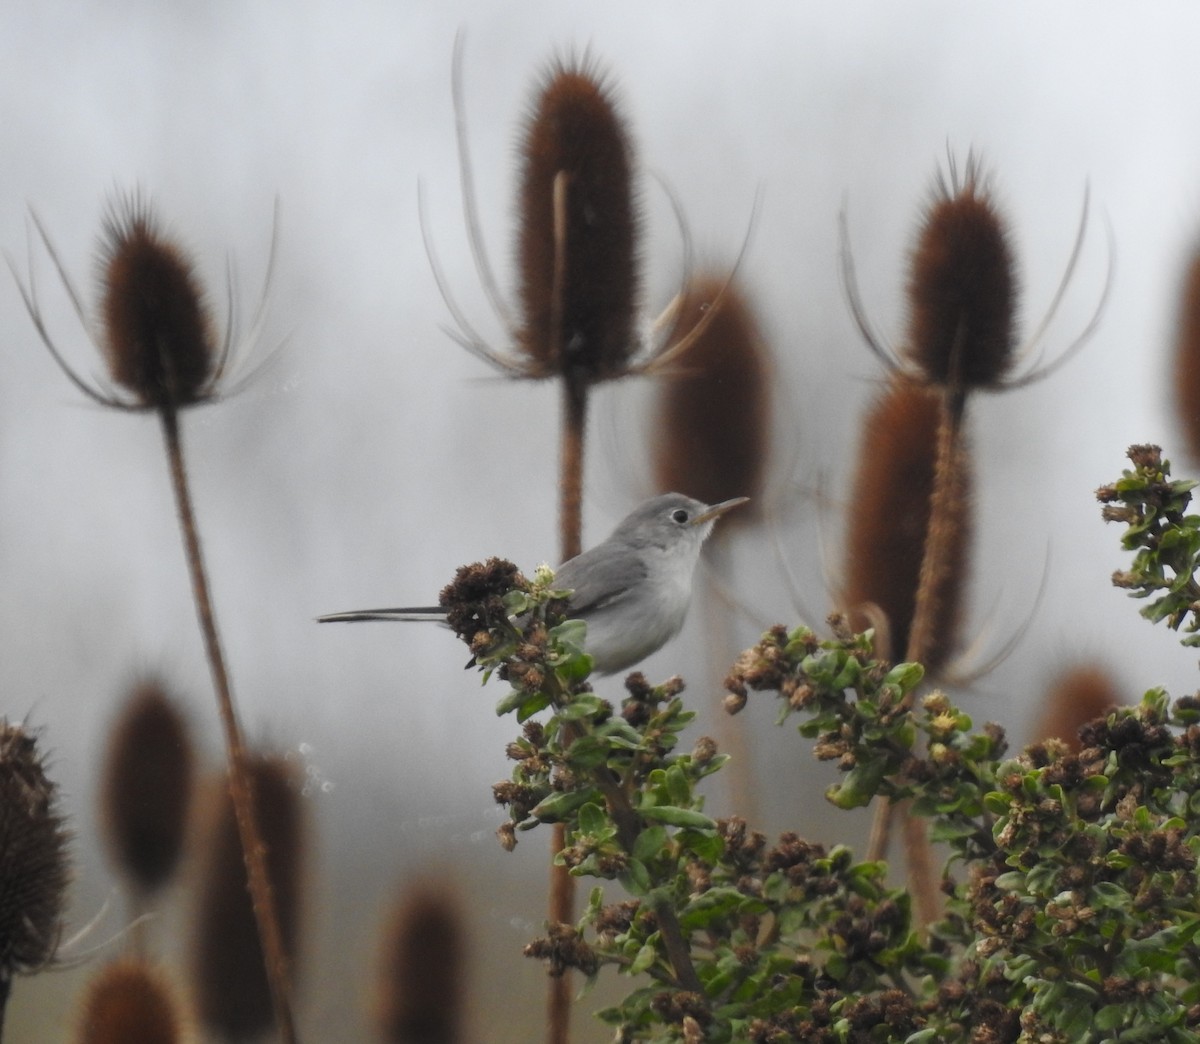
632 590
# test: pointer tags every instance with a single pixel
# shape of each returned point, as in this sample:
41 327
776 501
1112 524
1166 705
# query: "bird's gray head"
671 520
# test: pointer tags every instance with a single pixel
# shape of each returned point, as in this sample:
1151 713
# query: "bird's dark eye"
679 515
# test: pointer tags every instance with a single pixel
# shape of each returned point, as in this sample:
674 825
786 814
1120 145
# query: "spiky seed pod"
158 336
962 288
33 858
713 417
1076 696
421 987
129 1000
233 998
146 790
578 227
1187 359
889 512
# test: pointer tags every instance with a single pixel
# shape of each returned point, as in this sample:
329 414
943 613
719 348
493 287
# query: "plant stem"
570 530
253 850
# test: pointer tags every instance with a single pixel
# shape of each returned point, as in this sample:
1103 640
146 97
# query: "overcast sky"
371 456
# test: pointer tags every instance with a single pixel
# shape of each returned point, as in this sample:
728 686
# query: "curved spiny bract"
962 289
578 222
713 415
146 789
889 519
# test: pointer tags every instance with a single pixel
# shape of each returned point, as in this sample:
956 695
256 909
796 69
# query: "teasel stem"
253 849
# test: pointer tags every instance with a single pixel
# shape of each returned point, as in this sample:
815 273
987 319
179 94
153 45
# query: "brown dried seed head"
889 522
146 791
713 417
421 989
1187 359
233 997
157 331
33 857
962 289
130 1000
578 275
1079 694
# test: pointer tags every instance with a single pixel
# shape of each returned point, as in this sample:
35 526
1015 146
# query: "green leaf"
680 817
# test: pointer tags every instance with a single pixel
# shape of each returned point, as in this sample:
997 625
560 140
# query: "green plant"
1072 900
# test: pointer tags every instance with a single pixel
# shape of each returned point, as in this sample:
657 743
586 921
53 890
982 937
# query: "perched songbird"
632 590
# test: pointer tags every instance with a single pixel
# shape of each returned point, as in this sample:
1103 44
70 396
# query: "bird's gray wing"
600 577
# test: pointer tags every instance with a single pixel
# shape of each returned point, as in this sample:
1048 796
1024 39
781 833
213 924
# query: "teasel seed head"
962 288
147 786
578 227
1076 696
888 522
158 336
33 858
421 986
713 414
130 1000
1187 359
233 998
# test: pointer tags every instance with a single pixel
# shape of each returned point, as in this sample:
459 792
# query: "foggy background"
370 456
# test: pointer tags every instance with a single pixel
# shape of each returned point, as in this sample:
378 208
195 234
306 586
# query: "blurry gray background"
371 456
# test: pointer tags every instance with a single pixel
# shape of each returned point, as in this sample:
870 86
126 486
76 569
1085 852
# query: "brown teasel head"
158 336
421 988
962 288
147 785
233 997
713 415
130 1000
33 858
888 520
578 228
1187 358
1076 696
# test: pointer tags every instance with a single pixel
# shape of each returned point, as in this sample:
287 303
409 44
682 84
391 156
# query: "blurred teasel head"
130 1000
578 226
889 515
33 859
1077 695
1187 358
146 789
713 413
233 997
421 988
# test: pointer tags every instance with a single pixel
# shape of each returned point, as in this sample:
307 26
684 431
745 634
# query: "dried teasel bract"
130 1000
233 999
147 785
421 989
1187 359
578 222
889 518
33 858
713 413
962 287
